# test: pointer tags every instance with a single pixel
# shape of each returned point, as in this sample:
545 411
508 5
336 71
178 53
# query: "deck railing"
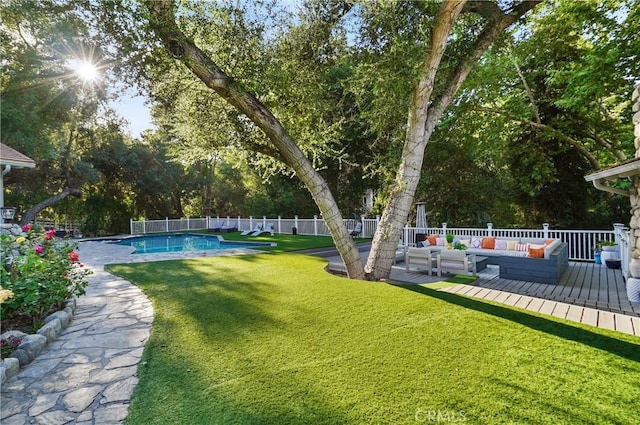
582 243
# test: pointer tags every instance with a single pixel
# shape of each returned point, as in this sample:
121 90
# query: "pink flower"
26 227
49 234
39 249
73 256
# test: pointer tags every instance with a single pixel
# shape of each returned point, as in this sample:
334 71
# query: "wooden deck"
588 293
584 284
594 317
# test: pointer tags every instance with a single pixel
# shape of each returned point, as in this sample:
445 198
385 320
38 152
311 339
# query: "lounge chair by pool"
356 230
268 229
231 227
216 227
257 228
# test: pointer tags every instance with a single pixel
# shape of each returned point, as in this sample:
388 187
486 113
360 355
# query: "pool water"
182 243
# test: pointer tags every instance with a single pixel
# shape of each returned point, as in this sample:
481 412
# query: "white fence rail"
303 226
582 243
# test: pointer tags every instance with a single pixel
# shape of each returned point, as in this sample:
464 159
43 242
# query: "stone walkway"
88 375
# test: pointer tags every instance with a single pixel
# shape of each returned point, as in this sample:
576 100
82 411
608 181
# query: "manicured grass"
285 242
273 339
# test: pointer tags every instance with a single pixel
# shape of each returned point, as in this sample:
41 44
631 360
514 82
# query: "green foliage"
550 181
298 68
558 82
602 243
48 112
460 246
339 76
40 272
105 214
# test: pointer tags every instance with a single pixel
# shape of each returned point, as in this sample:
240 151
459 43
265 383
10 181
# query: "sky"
133 109
128 105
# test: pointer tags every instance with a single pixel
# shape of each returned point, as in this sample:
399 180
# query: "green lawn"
285 242
273 339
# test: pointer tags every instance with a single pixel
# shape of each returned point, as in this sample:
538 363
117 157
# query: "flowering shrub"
40 273
8 345
5 294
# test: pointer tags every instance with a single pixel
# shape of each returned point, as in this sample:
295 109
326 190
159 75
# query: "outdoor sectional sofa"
529 259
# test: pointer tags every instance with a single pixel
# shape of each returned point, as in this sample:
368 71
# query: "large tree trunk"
394 216
162 18
424 114
32 212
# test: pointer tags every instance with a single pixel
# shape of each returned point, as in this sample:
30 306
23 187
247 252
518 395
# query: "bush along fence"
583 244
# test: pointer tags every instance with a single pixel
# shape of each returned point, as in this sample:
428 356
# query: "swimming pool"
183 243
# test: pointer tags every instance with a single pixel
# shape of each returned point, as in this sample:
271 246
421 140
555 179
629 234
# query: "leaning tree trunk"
424 114
32 212
394 216
162 19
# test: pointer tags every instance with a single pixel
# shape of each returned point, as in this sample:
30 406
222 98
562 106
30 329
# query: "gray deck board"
590 316
584 284
547 307
575 313
635 321
512 299
524 301
606 320
502 297
561 310
624 324
535 304
482 293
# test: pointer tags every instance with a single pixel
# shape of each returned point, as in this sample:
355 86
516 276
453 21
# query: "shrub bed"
38 274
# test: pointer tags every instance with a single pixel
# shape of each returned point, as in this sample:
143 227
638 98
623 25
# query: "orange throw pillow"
432 240
488 243
536 252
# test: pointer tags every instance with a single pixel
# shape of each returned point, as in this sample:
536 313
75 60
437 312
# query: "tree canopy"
489 111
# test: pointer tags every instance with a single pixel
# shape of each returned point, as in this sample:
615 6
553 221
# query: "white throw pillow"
501 244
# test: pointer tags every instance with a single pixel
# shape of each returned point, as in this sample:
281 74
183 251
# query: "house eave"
625 170
18 164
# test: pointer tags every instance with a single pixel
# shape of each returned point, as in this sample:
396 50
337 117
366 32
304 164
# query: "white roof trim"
18 164
622 171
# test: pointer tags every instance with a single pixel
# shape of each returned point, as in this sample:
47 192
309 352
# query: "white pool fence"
582 243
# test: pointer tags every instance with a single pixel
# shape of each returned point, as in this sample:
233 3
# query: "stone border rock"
34 344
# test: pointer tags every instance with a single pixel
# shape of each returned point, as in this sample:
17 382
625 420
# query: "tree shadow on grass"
618 347
205 292
225 315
